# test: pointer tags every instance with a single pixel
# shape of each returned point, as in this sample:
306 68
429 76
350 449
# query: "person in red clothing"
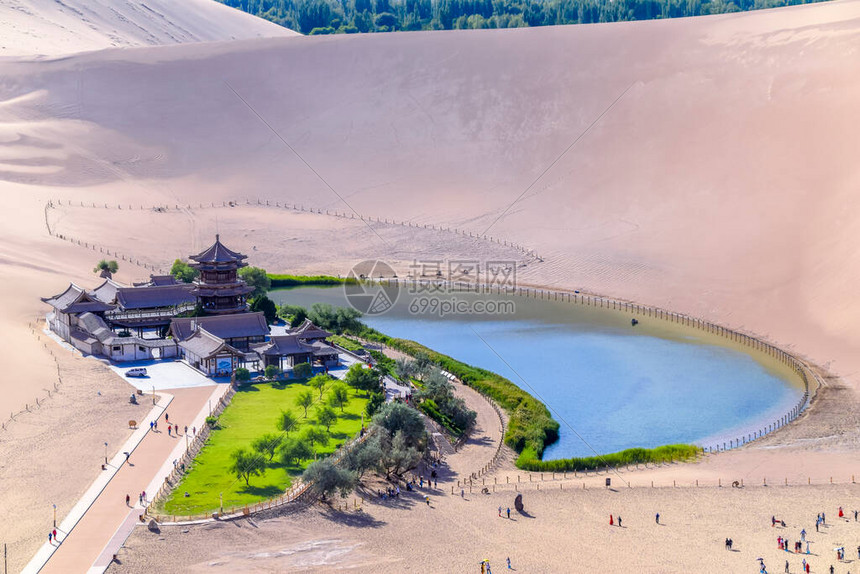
611 521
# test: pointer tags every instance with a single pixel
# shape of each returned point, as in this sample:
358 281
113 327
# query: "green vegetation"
354 16
254 415
184 272
363 379
346 343
257 278
106 268
279 281
657 455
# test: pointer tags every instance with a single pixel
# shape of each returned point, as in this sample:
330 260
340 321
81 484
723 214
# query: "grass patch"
528 459
346 343
253 412
305 280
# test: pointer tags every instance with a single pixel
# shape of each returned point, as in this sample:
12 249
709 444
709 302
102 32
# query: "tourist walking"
500 512
186 430
509 516
619 521
786 567
509 563
54 532
803 535
169 428
127 500
50 537
657 518
166 417
151 424
611 521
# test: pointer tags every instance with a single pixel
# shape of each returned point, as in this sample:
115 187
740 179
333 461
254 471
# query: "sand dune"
705 165
53 28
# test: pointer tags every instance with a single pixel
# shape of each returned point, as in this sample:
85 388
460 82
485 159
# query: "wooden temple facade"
150 320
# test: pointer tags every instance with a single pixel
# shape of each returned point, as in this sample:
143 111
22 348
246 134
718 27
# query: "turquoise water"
611 386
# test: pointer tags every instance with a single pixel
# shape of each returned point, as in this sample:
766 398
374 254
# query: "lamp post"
55 515
106 453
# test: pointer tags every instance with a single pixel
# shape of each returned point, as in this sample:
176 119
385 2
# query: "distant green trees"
183 272
353 16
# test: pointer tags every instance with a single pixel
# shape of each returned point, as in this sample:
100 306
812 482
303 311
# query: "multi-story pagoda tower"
218 288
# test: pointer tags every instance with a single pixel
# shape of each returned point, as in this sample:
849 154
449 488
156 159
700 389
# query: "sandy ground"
47 28
52 454
718 184
561 531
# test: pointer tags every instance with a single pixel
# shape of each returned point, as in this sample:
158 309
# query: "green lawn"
253 412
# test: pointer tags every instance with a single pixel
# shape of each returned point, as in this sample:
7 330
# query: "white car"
136 372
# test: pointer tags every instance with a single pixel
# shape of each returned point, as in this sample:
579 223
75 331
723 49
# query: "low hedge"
305 280
528 459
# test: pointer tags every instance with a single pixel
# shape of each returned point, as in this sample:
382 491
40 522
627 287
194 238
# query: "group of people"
52 537
172 429
485 566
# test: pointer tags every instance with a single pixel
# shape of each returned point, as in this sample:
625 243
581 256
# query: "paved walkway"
88 543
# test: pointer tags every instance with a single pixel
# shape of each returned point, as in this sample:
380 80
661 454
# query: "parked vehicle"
136 372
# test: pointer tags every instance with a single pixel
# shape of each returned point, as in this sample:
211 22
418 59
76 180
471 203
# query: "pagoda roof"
152 297
225 326
76 300
218 253
307 330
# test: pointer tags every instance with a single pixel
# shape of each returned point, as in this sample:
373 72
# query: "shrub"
303 370
243 374
272 371
326 478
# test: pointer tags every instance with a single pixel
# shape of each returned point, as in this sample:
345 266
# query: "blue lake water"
611 386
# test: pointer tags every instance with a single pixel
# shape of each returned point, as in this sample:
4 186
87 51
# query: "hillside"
53 28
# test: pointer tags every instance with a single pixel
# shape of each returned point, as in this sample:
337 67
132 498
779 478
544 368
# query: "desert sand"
44 28
702 165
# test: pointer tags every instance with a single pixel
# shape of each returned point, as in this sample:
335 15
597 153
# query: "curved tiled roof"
223 326
218 253
76 300
152 297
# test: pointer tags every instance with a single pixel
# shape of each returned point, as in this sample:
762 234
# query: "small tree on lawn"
272 371
326 478
304 400
361 378
303 370
294 450
287 422
339 396
374 404
243 374
316 436
246 464
268 444
319 383
326 417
